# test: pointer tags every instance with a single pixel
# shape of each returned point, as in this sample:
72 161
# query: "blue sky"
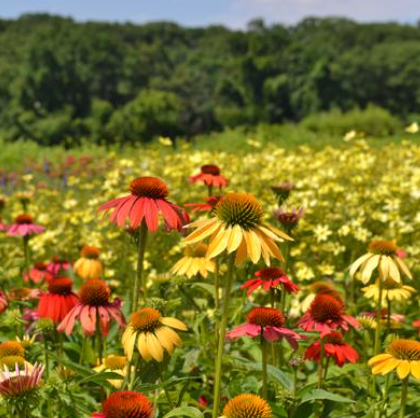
234 13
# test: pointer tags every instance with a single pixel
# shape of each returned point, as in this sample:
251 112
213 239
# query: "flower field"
192 283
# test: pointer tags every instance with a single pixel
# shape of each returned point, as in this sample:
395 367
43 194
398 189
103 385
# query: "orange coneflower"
152 333
238 226
146 201
247 406
88 266
210 175
194 262
210 204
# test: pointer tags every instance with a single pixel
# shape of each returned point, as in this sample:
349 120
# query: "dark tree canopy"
60 79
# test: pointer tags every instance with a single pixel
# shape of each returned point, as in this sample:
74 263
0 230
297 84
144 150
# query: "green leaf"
186 411
102 377
323 394
205 286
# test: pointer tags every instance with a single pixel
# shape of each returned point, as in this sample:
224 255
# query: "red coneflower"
57 265
210 204
94 302
24 226
3 302
146 201
325 314
38 273
210 176
268 278
59 300
126 404
333 346
268 323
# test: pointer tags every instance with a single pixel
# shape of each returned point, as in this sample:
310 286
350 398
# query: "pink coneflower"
289 218
282 191
398 318
59 300
325 314
20 383
3 302
24 226
333 346
38 273
94 302
270 278
210 176
126 404
210 204
147 201
268 323
58 265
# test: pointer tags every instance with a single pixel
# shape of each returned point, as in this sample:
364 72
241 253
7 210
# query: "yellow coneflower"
238 226
152 333
247 406
391 291
116 364
381 255
88 265
194 262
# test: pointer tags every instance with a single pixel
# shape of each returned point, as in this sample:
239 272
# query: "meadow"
212 277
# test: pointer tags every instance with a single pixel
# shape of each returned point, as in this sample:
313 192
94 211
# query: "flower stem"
47 360
98 336
388 316
222 334
264 368
378 319
321 366
27 254
140 280
404 391
216 285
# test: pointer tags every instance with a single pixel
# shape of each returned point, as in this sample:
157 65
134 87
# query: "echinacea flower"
247 405
152 333
391 291
320 287
238 226
115 364
59 300
333 346
381 255
270 278
58 265
146 201
3 302
289 218
282 191
403 355
267 323
88 266
210 204
210 176
20 383
11 362
126 404
23 293
325 314
94 303
194 262
24 226
369 319
38 273
11 348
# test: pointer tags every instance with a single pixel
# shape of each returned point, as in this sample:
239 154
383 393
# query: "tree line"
61 81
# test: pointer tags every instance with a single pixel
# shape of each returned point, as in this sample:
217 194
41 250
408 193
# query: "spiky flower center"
333 337
95 292
146 320
325 308
265 317
150 187
210 169
11 348
11 361
247 406
115 362
19 294
60 286
270 273
127 404
241 209
319 286
390 284
24 219
39 265
198 251
405 350
90 252
383 247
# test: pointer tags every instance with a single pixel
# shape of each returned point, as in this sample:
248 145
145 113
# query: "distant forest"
62 80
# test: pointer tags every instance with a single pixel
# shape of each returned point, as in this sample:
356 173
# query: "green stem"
98 337
47 360
378 319
321 366
140 279
27 254
404 391
388 316
216 286
210 190
327 363
83 349
222 334
264 368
